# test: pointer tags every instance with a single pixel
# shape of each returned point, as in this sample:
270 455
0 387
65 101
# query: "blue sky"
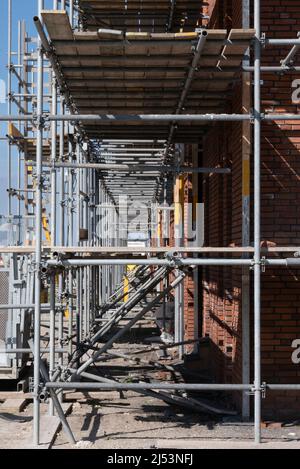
22 9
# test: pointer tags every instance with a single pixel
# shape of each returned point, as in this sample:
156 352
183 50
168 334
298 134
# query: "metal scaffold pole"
38 235
257 224
9 103
52 334
246 181
20 58
53 152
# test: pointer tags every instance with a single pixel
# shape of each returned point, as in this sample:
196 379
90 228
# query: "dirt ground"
107 421
144 422
110 420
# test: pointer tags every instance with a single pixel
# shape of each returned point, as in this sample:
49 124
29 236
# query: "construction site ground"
114 420
106 421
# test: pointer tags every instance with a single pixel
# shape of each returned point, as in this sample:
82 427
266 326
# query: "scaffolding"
105 98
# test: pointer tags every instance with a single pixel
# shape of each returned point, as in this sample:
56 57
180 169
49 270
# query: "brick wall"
222 286
280 222
281 215
191 316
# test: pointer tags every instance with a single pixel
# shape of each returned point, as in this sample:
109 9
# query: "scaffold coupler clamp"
264 390
40 181
58 258
53 164
37 267
263 40
66 375
174 258
44 271
39 121
43 393
263 264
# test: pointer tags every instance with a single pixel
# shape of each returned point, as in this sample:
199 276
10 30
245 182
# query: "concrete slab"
49 428
14 395
14 405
